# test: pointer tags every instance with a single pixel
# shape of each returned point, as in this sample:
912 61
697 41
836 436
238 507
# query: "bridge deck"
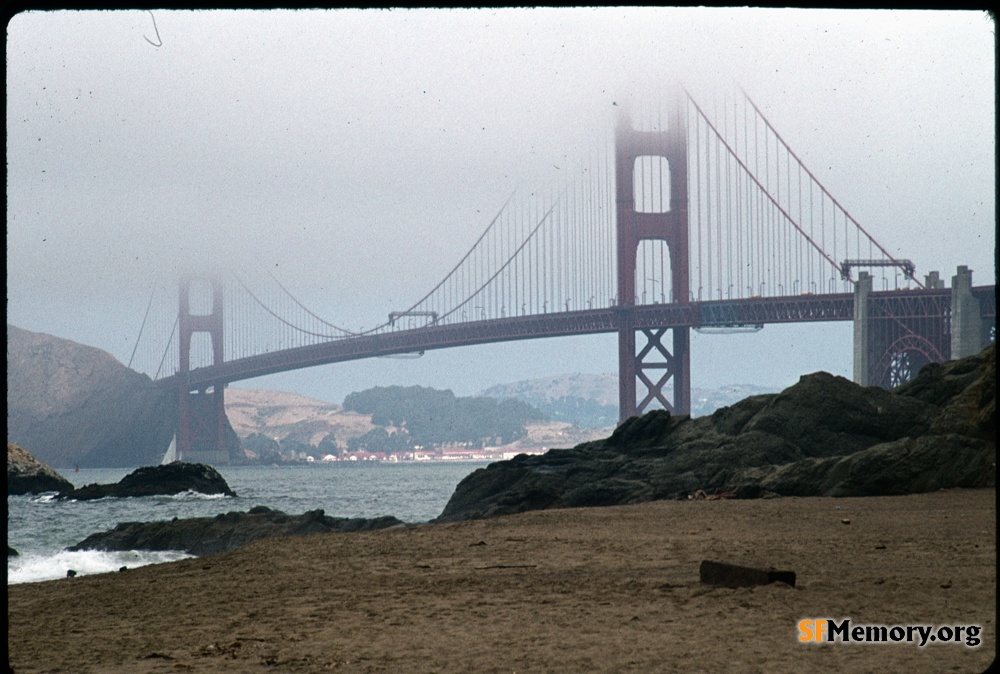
718 313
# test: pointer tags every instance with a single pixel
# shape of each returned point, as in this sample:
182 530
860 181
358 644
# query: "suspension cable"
142 327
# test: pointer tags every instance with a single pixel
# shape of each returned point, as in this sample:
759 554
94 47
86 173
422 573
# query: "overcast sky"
358 153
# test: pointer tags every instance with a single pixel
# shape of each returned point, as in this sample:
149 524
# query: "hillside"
600 388
69 404
591 400
282 416
580 407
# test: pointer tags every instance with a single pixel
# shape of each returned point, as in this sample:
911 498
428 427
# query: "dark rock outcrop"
211 535
173 478
28 475
822 436
77 405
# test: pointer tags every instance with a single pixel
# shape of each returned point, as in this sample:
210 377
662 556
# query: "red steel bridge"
693 218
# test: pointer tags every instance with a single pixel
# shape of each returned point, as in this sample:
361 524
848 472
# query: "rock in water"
28 475
211 535
824 436
173 478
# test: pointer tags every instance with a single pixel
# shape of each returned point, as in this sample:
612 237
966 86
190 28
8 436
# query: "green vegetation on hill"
269 450
431 417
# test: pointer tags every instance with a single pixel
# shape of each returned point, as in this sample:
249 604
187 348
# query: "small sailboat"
171 454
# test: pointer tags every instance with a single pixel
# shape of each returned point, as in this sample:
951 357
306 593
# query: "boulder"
210 535
173 478
823 436
28 475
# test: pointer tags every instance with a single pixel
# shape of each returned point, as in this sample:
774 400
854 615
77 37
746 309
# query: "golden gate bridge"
693 217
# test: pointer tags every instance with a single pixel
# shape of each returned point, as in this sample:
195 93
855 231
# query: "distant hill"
586 400
600 388
282 415
293 420
591 400
427 416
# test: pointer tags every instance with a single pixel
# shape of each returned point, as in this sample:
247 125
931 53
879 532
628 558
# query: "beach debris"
845 521
736 575
155 655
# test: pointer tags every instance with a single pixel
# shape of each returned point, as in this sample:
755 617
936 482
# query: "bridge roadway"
806 308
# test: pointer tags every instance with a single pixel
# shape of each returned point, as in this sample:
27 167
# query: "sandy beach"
586 590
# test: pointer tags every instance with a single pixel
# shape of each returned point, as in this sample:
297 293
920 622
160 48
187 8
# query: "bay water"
39 527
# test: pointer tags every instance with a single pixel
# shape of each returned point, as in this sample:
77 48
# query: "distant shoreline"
378 457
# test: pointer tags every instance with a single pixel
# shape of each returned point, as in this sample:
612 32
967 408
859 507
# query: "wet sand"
584 590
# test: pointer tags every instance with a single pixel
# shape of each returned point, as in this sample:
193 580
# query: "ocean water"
40 528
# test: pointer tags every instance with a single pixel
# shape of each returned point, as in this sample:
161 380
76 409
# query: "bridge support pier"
655 366
201 422
897 333
968 329
862 330
626 367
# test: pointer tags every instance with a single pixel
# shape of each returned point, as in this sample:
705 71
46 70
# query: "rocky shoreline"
28 475
824 436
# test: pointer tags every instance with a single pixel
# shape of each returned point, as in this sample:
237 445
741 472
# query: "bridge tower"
656 364
201 422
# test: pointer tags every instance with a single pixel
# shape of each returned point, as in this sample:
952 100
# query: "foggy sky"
357 154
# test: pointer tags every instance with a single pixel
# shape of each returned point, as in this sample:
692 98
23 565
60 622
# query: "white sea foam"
47 497
181 496
32 568
195 495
